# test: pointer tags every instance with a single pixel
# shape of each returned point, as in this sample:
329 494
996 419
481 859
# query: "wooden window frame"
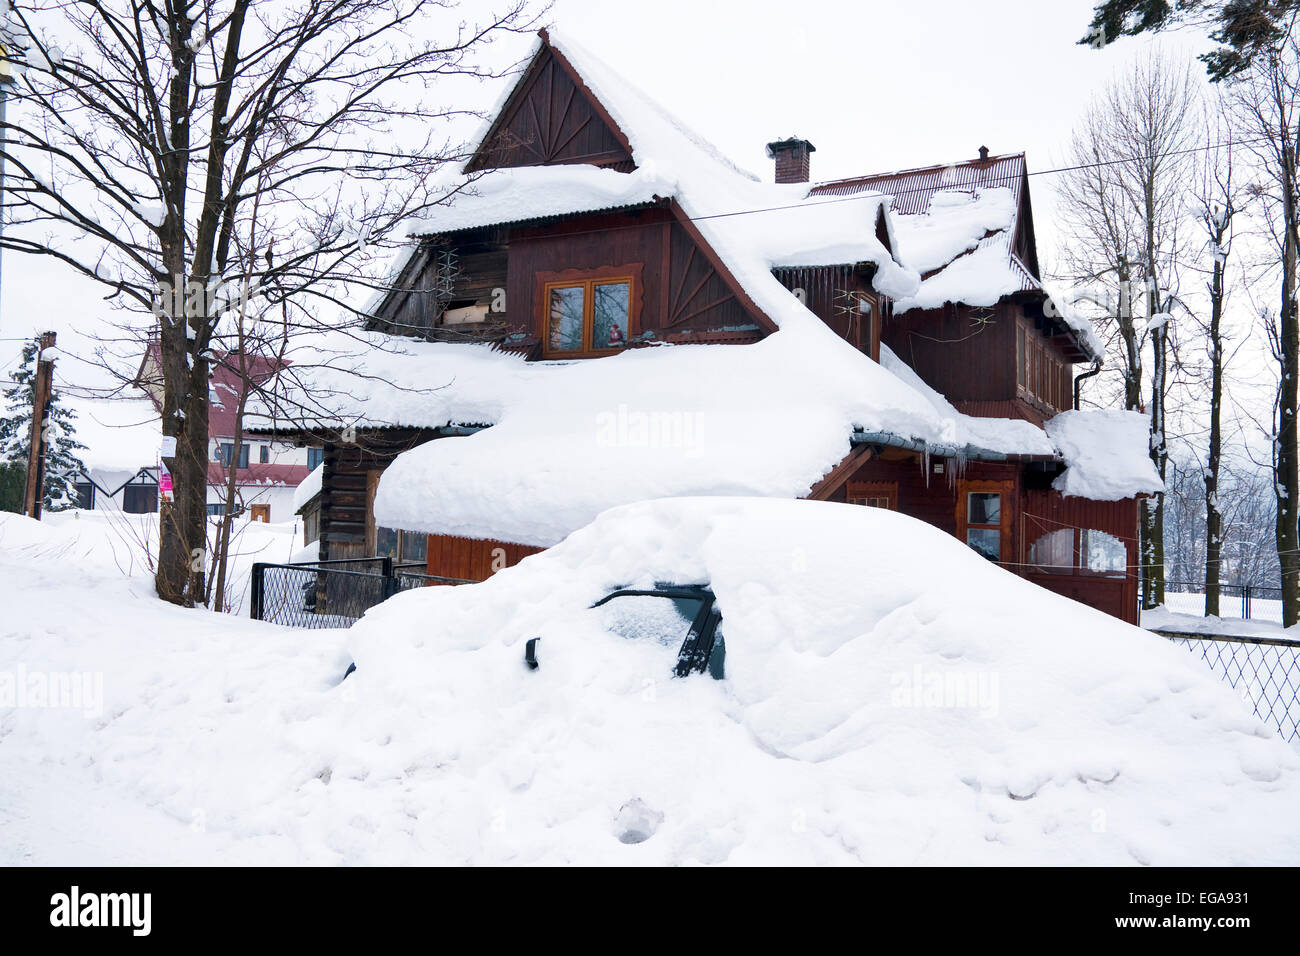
859 492
1042 376
567 278
372 526
1021 339
1006 489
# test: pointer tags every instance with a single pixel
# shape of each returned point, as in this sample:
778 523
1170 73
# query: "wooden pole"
41 389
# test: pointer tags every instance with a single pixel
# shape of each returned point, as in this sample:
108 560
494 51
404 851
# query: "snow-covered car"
888 696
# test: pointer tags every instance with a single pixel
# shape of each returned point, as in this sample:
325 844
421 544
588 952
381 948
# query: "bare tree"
1125 204
135 145
1267 106
1215 203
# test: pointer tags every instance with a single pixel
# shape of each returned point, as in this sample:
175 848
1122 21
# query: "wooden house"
596 228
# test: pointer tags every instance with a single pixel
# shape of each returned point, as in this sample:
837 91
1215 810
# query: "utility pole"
41 389
6 79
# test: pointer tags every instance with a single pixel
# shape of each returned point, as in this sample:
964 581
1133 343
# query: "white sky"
874 85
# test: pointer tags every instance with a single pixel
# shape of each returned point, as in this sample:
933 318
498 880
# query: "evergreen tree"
62 465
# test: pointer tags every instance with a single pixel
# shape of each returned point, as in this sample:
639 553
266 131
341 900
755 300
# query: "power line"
867 192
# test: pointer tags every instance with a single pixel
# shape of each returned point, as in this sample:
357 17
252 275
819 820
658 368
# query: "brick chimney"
791 155
984 154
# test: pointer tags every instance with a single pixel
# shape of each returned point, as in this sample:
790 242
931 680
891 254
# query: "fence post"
255 597
1245 602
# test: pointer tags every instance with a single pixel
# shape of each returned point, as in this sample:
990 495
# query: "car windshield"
662 620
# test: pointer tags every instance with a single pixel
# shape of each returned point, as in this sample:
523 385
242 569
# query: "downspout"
1078 380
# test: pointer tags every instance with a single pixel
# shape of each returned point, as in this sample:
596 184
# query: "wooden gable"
552 118
1024 242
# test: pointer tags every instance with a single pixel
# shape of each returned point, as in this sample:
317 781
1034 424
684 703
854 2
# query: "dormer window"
588 314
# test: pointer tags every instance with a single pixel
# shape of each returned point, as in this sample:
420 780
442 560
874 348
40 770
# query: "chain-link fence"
331 593
1264 670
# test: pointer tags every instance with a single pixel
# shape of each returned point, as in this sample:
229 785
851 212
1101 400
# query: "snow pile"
1108 452
926 719
309 487
920 721
170 703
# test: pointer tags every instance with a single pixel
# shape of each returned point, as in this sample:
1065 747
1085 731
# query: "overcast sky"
875 86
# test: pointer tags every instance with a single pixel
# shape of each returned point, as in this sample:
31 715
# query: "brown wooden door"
260 512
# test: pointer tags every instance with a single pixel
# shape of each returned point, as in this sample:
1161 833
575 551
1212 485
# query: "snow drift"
890 698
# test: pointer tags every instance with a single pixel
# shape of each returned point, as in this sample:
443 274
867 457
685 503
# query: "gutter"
1078 380
968 452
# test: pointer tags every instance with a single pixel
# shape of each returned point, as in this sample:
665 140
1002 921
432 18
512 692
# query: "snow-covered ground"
890 698
127 543
1265 611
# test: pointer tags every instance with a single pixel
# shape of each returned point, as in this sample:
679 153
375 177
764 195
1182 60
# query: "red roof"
258 474
913 189
224 385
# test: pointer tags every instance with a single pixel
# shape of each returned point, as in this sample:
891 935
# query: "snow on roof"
572 439
518 194
959 221
309 487
1108 452
119 434
751 225
955 223
1008 436
569 439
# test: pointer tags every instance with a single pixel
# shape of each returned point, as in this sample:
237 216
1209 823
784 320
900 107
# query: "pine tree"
62 464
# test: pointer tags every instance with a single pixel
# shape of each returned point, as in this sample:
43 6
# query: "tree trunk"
1286 478
182 546
1153 593
1213 517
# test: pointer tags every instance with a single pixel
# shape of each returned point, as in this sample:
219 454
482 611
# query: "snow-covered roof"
1102 445
570 439
309 487
751 225
120 435
956 224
